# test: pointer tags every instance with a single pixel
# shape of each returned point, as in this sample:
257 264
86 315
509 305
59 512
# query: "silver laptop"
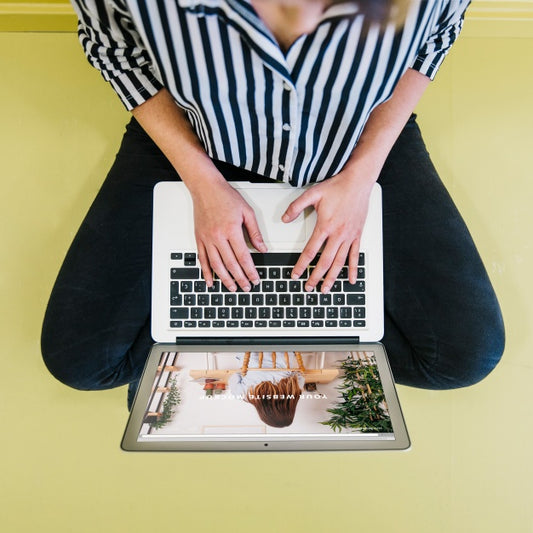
203 386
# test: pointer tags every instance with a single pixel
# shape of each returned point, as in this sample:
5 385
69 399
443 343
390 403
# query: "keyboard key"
250 312
345 312
325 299
200 286
305 312
331 323
274 273
223 312
303 323
197 312
203 299
361 259
359 323
237 312
274 323
295 286
271 299
230 299
336 287
184 273
281 286
218 323
284 299
286 273
360 273
355 299
204 324
216 299
244 299
190 323
232 324
277 312
339 299
345 323
262 271
311 299
186 286
332 312
318 312
317 323
190 259
291 312
358 286
176 323
210 312
189 299
264 312
260 323
297 299
179 312
176 299
176 256
257 299
359 312
289 323
215 287
267 286
246 324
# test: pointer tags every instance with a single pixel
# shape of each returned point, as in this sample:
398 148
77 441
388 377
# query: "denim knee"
469 360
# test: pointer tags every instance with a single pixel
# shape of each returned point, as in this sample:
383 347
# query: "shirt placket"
289 130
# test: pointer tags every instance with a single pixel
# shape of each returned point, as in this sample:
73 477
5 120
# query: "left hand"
341 205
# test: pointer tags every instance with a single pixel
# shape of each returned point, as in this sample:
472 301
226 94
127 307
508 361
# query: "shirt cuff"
134 87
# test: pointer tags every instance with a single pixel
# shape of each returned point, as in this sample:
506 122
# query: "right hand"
221 215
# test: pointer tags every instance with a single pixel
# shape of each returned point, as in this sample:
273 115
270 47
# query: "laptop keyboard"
276 302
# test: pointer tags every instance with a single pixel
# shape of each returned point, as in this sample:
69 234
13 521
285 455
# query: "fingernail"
309 288
246 288
325 289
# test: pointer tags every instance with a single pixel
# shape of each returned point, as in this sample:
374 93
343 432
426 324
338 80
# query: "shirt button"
287 127
281 167
286 86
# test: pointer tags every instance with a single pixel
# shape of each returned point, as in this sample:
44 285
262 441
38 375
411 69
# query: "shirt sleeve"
113 46
444 33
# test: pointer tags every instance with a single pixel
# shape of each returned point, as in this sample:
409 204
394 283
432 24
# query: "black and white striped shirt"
293 116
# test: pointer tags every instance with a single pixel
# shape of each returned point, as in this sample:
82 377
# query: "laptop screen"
266 398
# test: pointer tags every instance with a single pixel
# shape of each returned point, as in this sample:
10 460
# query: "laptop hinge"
266 340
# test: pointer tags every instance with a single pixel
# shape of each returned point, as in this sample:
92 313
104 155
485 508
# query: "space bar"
279 259
275 259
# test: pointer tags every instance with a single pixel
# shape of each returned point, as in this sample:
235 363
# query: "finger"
232 264
353 262
245 261
204 265
308 254
218 265
327 258
307 199
254 233
335 267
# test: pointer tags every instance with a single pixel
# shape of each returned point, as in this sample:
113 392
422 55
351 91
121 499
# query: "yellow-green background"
470 468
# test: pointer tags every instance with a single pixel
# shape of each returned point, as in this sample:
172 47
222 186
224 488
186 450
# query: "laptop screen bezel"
399 441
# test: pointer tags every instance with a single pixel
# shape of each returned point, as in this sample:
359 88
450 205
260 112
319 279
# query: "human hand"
221 216
341 205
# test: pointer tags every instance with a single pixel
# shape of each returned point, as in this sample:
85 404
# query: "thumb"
254 233
297 206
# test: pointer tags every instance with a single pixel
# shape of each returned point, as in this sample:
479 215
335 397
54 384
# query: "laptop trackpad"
269 207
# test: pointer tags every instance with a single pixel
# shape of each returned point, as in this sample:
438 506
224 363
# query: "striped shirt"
293 116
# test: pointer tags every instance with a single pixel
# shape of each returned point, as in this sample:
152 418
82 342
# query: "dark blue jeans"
443 326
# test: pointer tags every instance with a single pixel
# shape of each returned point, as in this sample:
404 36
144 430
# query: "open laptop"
198 390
